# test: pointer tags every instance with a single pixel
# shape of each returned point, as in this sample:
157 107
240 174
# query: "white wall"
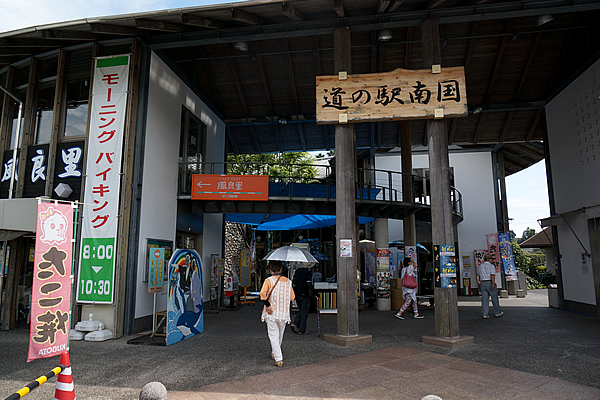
573 120
473 177
574 138
167 94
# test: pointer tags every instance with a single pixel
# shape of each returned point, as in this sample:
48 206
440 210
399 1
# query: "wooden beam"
255 139
264 80
452 130
236 79
56 120
382 5
16 42
278 137
407 48
505 127
530 57
395 4
19 51
338 7
290 68
110 29
501 51
155 25
6 103
302 138
202 22
240 15
10 59
27 131
234 145
435 3
291 12
479 128
69 35
533 126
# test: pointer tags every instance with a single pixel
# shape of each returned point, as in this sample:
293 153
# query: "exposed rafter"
291 12
536 120
382 5
111 29
435 3
278 137
238 83
290 68
245 17
234 145
70 35
302 139
155 25
338 7
479 128
395 4
264 81
202 22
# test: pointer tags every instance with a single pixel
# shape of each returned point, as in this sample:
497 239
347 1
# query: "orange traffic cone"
65 390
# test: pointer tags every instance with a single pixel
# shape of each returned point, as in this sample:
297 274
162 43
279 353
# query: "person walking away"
277 294
409 288
302 284
486 276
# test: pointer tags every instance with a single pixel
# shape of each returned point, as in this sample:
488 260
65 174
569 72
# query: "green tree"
281 167
533 266
527 233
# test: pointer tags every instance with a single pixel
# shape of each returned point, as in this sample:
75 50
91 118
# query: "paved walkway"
533 351
394 373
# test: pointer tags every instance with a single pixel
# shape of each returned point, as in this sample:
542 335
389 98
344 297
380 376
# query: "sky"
526 190
18 14
527 194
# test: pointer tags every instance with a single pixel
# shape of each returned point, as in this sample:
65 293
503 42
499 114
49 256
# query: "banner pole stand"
154 312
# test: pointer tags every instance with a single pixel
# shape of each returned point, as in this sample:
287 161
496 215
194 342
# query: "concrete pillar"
442 232
384 301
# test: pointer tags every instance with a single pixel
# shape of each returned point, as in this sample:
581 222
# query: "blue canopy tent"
287 222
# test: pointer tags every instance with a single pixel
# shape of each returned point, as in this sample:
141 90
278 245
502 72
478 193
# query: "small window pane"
77 107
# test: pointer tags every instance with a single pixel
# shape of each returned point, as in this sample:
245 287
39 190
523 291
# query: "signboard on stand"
155 271
185 311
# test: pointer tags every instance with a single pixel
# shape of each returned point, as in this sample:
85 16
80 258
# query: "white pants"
275 330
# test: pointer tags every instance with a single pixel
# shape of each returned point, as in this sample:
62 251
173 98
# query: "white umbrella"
290 253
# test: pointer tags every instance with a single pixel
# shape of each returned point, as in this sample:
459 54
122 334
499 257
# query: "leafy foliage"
281 167
533 266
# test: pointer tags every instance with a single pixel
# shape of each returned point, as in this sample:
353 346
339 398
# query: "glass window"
78 91
191 149
21 78
42 123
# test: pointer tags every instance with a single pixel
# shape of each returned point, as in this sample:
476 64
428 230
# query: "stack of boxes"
396 289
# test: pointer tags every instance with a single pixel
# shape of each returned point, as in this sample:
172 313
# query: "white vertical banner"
103 179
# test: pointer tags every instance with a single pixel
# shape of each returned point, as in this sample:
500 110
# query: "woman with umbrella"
277 295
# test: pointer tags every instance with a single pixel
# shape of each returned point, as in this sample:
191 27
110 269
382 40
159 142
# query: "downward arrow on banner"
96 268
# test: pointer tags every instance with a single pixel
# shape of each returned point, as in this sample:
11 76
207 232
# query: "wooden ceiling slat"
291 12
156 25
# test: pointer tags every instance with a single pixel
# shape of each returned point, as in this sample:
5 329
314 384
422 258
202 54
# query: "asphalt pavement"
531 338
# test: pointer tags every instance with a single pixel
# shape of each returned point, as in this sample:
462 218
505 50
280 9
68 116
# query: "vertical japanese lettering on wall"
102 185
51 289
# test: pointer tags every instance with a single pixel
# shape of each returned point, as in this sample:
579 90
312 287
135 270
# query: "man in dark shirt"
302 284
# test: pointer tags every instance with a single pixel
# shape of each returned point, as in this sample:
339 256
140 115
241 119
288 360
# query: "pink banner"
494 249
51 292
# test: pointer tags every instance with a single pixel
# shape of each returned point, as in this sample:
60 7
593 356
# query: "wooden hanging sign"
389 96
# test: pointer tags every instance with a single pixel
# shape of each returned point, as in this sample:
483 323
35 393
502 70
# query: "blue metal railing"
318 181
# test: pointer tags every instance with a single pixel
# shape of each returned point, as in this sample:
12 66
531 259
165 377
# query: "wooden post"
409 223
442 232
503 200
345 207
